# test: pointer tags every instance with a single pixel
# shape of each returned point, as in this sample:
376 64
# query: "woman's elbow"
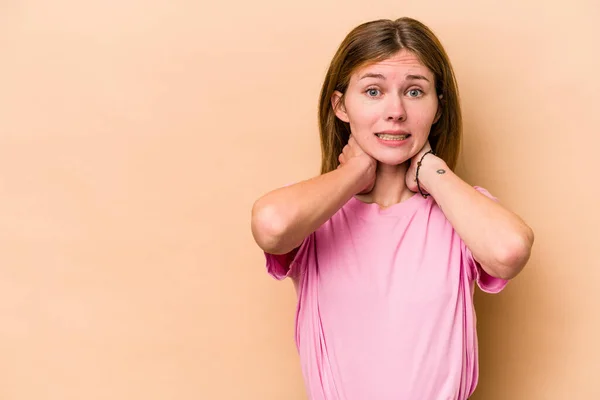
268 228
514 255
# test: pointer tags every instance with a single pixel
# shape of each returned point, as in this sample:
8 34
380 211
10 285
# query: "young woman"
386 244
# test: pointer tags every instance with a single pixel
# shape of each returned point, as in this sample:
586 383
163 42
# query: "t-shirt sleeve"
281 266
485 281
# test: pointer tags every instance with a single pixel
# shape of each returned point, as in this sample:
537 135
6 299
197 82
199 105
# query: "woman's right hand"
352 153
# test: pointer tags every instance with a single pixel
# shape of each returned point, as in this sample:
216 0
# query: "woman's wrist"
431 170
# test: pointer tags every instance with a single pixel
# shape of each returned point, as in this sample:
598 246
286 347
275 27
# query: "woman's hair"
375 41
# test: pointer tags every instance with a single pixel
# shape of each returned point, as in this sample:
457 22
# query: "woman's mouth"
392 137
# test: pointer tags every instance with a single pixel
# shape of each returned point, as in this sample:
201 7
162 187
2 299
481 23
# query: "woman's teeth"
386 136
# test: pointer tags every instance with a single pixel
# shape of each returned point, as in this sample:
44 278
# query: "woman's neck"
390 186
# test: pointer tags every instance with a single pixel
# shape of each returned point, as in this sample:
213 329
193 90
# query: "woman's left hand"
411 180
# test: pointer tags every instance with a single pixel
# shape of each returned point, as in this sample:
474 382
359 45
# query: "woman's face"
390 106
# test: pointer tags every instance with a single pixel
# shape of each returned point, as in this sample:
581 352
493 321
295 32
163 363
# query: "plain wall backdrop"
136 135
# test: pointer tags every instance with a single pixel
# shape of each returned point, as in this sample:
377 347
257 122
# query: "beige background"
135 136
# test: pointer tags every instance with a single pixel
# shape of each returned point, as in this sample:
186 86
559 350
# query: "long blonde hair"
375 41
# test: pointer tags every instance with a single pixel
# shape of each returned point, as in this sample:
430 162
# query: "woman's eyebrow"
372 75
416 77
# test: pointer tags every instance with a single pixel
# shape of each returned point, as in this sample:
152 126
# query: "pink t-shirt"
385 304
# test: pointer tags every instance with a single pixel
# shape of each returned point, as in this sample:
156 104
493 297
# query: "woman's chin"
392 161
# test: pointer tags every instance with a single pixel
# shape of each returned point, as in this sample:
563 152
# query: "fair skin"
391 106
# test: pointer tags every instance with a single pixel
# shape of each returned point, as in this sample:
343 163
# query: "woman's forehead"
400 64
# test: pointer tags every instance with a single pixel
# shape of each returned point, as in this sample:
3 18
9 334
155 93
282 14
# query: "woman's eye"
415 92
373 92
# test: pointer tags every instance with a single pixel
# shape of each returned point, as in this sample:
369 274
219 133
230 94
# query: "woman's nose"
395 110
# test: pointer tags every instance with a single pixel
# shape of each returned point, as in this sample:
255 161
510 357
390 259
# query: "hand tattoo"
441 171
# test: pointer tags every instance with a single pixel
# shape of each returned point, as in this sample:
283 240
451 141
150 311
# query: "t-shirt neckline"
398 209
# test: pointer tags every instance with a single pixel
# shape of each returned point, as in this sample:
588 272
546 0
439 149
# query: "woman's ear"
438 114
338 106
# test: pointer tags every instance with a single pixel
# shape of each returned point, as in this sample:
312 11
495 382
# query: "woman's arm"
283 218
499 240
